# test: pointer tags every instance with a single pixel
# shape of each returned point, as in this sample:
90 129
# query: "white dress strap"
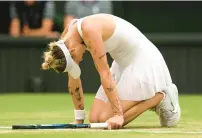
79 21
71 23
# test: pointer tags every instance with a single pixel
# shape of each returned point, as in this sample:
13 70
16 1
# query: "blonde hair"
54 58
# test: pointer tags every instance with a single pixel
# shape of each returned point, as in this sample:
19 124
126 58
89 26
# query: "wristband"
79 114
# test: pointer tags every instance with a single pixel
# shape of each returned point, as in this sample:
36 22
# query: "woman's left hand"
115 122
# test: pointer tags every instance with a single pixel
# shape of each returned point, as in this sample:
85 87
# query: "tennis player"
138 79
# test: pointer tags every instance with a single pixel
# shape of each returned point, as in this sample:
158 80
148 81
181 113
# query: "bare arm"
94 42
15 27
45 29
76 91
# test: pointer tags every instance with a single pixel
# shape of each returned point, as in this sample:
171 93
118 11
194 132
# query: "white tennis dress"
139 69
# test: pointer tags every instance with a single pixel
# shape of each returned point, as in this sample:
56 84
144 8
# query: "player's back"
125 41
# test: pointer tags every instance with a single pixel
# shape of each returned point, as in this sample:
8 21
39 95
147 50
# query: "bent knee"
98 118
93 118
103 117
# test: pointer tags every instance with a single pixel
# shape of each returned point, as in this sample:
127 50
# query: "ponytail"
54 58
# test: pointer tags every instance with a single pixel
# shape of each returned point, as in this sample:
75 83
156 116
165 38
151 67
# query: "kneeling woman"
138 79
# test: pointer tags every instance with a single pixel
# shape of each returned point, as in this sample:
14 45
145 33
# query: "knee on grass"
93 118
98 118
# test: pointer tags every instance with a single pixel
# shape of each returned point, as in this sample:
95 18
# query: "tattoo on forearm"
70 91
77 94
116 107
101 56
81 106
90 48
110 88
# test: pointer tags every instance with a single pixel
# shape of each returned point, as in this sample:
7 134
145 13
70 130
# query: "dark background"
153 16
174 27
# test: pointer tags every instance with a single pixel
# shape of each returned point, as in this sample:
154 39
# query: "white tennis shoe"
169 109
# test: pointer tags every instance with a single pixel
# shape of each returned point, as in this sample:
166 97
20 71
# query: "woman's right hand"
115 122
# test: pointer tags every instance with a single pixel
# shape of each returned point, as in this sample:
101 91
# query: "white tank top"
125 42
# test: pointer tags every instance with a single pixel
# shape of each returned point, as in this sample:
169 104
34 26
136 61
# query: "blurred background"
28 26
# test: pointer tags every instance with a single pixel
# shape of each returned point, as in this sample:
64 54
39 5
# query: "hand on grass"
115 122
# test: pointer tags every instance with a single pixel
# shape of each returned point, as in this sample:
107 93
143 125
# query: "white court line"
164 131
5 127
8 130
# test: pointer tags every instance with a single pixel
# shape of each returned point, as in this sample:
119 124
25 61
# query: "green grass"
58 108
